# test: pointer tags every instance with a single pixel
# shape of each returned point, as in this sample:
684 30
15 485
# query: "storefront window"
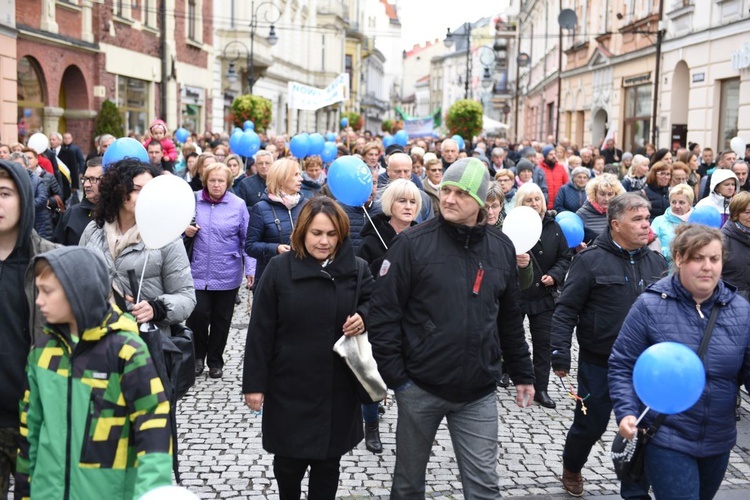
193 100
30 99
637 117
730 111
132 99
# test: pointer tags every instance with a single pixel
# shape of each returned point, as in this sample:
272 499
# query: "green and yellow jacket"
94 415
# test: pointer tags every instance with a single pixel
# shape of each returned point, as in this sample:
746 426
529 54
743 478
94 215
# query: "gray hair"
400 188
263 152
451 141
495 192
19 158
395 156
104 138
497 152
623 203
56 134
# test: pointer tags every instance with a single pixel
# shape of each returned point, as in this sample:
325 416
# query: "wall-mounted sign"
636 80
699 77
741 58
193 95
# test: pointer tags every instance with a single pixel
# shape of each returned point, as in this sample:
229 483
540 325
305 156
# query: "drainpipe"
164 61
657 75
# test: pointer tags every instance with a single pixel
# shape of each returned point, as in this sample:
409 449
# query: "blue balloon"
572 230
344 122
249 143
706 215
350 181
669 377
460 141
401 138
388 140
300 145
234 141
330 137
181 134
569 215
237 130
124 147
330 151
317 142
248 125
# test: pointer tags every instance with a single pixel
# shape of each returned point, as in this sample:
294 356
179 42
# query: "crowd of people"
422 266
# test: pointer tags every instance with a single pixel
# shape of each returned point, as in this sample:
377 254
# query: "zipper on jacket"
478 280
698 307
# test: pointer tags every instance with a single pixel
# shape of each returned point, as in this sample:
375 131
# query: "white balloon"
163 210
38 142
738 146
524 227
169 493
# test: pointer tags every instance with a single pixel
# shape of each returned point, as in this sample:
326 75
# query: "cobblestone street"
222 457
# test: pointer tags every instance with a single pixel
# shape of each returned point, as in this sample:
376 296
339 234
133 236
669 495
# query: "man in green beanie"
443 310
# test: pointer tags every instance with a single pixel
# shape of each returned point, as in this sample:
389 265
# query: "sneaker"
572 482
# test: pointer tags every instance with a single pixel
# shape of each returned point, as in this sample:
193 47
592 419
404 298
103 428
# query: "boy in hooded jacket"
94 414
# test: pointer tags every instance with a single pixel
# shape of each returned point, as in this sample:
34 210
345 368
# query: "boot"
372 437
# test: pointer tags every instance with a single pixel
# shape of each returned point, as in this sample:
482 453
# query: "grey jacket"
167 276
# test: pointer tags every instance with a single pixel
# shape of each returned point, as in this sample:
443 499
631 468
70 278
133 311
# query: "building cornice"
29 33
739 27
614 61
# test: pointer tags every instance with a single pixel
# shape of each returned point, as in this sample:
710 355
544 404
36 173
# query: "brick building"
72 55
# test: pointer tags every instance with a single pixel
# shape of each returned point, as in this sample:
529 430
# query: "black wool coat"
311 409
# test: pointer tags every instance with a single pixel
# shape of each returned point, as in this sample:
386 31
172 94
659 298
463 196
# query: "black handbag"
628 456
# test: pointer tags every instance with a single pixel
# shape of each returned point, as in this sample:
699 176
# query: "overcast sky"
423 20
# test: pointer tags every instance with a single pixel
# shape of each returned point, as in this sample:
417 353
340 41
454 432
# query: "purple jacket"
219 259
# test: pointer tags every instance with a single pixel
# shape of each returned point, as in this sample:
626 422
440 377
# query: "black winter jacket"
659 198
602 283
552 254
73 222
736 269
372 249
357 220
310 409
435 322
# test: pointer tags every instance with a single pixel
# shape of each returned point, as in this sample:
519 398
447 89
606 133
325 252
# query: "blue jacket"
251 189
219 260
263 236
666 312
570 198
42 222
664 227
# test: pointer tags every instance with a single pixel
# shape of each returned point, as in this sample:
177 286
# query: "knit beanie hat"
524 164
627 156
471 175
580 170
546 150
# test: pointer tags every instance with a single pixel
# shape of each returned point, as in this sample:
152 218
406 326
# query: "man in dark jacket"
603 282
21 321
445 304
76 218
67 154
252 188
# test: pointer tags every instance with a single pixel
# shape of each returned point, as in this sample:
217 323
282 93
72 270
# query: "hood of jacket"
23 185
730 230
606 242
720 175
87 297
159 122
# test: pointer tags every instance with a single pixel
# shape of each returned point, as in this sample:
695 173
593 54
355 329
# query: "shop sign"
193 95
699 77
636 80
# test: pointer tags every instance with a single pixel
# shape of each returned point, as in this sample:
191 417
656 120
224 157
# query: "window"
637 116
133 99
30 99
730 111
348 68
191 20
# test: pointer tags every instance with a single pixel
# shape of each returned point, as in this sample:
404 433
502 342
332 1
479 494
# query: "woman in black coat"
736 270
550 258
304 302
657 188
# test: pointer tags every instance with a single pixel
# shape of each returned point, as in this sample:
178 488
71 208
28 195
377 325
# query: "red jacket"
557 177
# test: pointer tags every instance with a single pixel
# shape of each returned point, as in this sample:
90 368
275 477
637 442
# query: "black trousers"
540 326
323 483
213 313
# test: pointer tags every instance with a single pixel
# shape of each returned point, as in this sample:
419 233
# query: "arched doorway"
31 98
680 105
599 127
72 96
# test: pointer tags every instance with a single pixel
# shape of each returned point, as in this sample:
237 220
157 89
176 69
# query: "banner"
419 127
436 116
311 98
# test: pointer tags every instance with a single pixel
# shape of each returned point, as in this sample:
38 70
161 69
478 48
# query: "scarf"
636 183
598 207
683 217
288 200
207 197
743 228
319 181
116 241
436 187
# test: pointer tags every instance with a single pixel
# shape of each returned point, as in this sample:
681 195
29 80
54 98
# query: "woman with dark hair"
737 242
690 159
313 176
311 413
663 155
167 293
657 188
195 173
687 456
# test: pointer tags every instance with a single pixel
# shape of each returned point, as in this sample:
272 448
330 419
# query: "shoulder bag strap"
701 353
277 222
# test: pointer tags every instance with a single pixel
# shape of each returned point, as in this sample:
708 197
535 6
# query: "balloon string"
373 226
648 408
140 284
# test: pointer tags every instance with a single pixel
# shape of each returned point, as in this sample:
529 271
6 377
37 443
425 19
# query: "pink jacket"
170 151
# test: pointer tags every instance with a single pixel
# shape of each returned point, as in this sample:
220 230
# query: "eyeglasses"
92 180
435 170
664 174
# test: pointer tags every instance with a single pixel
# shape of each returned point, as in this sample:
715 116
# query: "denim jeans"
587 429
473 431
370 413
677 476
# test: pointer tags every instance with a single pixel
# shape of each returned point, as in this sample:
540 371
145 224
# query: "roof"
418 47
390 10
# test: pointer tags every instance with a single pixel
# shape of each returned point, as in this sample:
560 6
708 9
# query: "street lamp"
272 40
450 40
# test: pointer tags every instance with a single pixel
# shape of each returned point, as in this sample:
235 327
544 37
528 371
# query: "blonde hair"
217 166
528 189
198 165
504 172
603 181
281 171
397 189
684 190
